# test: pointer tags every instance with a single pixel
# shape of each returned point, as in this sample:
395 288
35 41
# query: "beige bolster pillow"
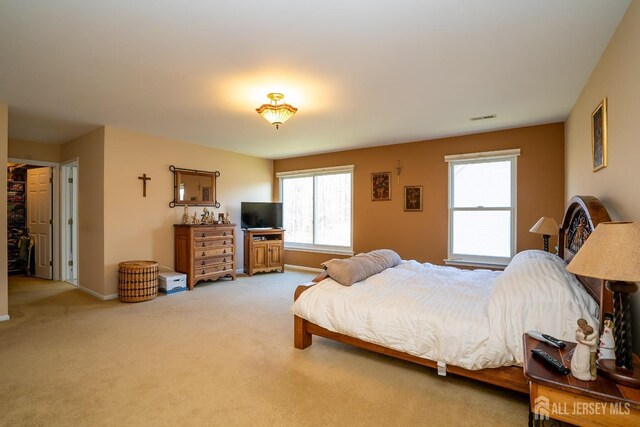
357 268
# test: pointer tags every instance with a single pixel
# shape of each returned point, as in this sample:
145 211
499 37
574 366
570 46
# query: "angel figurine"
194 219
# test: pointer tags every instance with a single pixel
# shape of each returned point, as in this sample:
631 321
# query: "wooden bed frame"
581 217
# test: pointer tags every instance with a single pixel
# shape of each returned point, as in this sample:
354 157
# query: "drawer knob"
203 272
224 233
224 242
202 234
224 260
202 262
202 253
203 244
224 251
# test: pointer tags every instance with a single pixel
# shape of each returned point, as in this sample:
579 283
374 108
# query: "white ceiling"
361 72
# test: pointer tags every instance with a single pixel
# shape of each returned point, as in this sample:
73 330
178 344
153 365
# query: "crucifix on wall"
144 179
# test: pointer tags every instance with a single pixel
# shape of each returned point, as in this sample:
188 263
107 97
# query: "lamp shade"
545 225
612 252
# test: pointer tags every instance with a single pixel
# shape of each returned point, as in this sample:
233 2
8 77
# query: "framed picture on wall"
380 186
599 136
413 198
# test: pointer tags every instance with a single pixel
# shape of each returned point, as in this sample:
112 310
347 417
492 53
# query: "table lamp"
612 253
547 227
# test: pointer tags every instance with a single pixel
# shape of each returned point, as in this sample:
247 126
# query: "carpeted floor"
219 355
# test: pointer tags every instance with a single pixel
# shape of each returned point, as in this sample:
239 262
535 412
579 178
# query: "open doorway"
69 214
32 206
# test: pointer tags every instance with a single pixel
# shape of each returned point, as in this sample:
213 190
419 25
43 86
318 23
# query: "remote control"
547 338
550 361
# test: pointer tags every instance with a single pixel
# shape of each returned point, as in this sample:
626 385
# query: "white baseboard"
4 317
97 295
303 268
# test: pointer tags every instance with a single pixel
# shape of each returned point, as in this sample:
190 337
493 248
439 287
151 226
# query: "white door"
39 218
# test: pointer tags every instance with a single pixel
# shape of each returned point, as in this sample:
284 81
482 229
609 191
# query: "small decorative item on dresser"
185 215
204 218
194 219
583 361
137 281
607 346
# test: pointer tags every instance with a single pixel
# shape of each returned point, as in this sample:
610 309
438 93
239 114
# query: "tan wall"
139 227
4 137
29 150
615 77
423 235
89 150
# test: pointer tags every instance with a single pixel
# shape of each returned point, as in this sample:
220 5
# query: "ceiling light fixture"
275 113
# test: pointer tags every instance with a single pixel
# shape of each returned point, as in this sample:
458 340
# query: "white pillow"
537 292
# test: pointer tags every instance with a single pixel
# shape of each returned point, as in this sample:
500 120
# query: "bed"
460 319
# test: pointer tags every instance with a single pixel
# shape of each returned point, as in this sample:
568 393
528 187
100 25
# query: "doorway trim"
69 212
55 192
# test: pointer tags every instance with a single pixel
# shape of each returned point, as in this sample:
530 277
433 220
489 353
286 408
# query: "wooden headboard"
581 217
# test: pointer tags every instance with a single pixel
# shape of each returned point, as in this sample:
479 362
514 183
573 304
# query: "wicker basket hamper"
137 281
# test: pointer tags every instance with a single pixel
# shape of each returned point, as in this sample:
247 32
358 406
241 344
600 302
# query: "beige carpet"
219 355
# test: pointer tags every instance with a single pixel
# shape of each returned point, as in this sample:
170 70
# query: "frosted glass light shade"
612 252
545 226
275 113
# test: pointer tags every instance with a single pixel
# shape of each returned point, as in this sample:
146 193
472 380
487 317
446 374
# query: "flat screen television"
261 214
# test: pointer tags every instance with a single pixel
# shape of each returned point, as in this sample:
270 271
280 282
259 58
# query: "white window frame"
485 157
312 247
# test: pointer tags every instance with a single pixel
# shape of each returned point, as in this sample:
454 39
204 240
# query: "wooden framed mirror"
193 187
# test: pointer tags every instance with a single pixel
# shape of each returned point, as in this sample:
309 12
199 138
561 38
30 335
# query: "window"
317 209
482 207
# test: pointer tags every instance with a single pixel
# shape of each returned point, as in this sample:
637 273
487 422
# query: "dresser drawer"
203 262
213 232
213 270
211 252
213 241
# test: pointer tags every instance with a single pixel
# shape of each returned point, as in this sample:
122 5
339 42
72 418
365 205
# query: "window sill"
347 252
463 263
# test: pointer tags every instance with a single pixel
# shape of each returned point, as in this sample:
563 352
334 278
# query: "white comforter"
472 319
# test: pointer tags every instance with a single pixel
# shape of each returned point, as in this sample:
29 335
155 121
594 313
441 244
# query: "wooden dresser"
205 252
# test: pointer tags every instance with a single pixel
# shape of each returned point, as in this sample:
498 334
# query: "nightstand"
565 398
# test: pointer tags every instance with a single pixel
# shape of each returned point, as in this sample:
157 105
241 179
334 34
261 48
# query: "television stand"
263 250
